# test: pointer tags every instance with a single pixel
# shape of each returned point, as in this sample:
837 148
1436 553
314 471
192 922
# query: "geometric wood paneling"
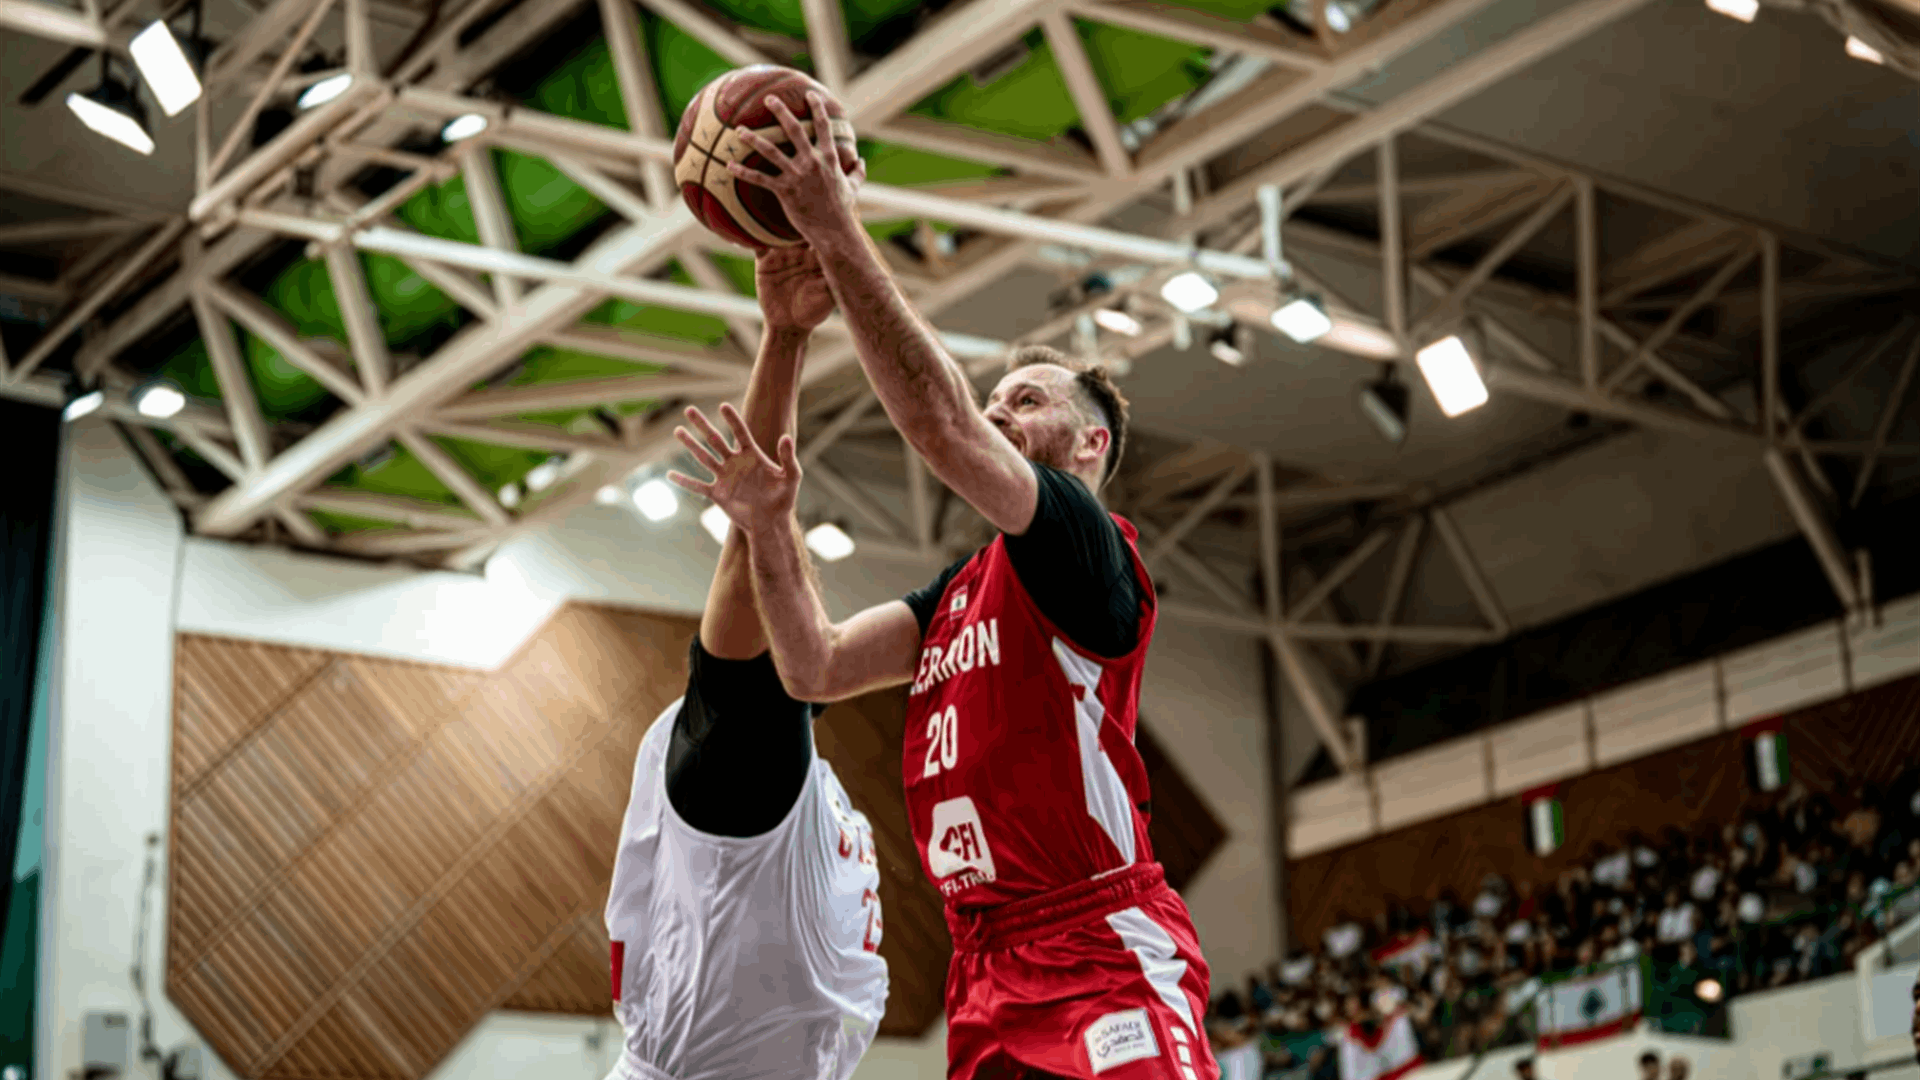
368 856
1865 737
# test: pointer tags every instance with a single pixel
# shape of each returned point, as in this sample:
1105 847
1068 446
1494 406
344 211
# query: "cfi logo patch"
959 602
1118 1038
959 843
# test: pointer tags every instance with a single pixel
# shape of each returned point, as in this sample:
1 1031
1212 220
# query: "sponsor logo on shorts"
1120 1037
957 848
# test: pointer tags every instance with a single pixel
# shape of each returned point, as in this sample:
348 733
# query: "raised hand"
792 287
753 490
819 183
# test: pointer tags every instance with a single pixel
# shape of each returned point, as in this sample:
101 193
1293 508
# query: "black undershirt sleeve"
925 601
741 747
1075 564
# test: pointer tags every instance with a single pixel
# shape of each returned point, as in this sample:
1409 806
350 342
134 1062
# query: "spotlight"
1118 321
655 500
1189 292
159 401
1384 402
608 495
1302 317
111 109
1452 376
1744 10
830 542
715 521
463 127
84 404
1860 50
1361 339
1227 346
1708 990
510 496
544 474
165 67
325 90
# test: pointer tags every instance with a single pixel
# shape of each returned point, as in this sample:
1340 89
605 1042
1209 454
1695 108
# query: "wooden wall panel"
371 855
1869 736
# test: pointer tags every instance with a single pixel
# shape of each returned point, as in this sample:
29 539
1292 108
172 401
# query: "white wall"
108 751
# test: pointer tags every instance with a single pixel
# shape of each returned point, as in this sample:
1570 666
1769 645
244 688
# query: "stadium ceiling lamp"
82 402
510 496
609 495
159 400
1744 10
165 66
1386 401
465 126
325 90
1189 292
1118 321
1302 317
1860 50
717 523
1452 375
542 476
829 541
113 109
1228 345
655 500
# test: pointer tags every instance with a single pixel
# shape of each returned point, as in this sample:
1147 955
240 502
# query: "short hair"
1649 1058
1099 396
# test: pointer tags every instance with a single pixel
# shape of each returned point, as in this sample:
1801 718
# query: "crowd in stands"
1792 889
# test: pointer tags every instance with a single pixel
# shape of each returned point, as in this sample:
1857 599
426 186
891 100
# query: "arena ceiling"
1646 217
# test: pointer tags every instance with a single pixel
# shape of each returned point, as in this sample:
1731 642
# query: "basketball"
738 212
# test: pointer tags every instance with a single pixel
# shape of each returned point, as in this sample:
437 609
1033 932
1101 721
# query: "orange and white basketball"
740 212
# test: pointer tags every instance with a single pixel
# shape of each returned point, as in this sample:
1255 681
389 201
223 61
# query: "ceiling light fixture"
463 127
1228 345
1860 50
1302 317
164 65
716 522
159 400
325 90
1361 339
1118 321
830 542
1385 401
1189 292
609 495
510 496
655 500
112 109
1452 375
543 475
1744 10
84 403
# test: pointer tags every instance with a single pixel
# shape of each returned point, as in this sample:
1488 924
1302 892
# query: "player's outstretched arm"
818 660
795 299
925 392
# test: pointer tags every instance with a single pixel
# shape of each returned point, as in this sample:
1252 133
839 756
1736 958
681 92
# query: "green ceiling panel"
547 207
441 210
584 87
304 295
1243 10
680 64
398 473
192 372
666 322
1030 102
283 390
494 466
344 524
1140 72
739 270
903 166
773 16
408 305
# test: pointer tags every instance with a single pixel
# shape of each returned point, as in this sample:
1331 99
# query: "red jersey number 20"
943 741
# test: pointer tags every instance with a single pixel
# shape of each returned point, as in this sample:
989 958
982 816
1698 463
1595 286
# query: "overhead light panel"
656 501
1189 292
830 542
1452 375
84 405
1860 50
463 127
1302 317
543 475
510 496
112 109
326 90
1385 401
716 522
159 401
1228 346
1744 10
164 65
609 495
1118 321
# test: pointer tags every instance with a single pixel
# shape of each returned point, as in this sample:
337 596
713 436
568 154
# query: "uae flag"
1546 820
1387 1052
1767 755
1580 1009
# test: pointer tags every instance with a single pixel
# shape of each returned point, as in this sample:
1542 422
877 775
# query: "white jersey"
744 959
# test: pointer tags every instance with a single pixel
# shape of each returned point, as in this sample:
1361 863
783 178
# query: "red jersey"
1021 773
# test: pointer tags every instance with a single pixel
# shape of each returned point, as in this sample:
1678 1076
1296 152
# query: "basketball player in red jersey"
1028 800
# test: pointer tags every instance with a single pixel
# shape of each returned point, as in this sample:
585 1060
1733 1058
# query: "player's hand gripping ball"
708 140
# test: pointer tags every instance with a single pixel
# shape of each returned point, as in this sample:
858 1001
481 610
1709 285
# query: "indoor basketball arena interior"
1524 454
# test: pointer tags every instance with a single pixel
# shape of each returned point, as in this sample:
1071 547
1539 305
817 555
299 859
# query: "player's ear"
1094 442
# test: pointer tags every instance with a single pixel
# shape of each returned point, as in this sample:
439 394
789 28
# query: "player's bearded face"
1035 409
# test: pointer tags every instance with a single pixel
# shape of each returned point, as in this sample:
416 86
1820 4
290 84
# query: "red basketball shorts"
1097 981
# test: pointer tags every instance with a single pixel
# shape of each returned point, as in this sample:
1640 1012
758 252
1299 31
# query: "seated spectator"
1344 939
1649 1066
1679 921
1862 827
1492 898
1706 878
1678 1068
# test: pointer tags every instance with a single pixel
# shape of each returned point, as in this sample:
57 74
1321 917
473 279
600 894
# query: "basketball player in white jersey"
745 913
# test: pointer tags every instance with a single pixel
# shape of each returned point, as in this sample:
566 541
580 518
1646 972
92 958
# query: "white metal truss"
1054 194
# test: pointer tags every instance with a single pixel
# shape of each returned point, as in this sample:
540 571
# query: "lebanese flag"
1407 950
1389 1054
1580 1010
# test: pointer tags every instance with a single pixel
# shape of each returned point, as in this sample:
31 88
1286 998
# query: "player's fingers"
766 148
822 124
698 487
789 458
700 454
796 133
739 426
753 176
714 438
